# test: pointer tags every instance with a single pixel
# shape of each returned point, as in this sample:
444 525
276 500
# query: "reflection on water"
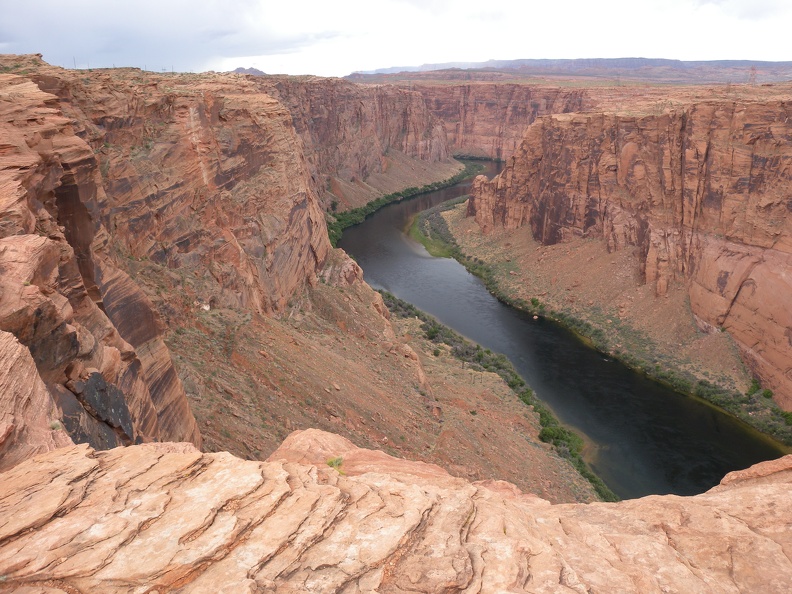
641 437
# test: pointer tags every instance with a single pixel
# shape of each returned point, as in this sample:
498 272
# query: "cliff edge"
93 337
322 515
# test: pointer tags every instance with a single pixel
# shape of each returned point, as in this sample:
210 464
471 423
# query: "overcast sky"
337 37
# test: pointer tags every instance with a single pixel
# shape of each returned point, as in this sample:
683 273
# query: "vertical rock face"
108 390
352 132
202 174
488 120
348 127
703 191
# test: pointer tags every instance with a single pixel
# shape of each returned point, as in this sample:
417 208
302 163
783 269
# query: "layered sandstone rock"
703 191
488 120
28 414
201 174
362 141
165 517
109 388
225 174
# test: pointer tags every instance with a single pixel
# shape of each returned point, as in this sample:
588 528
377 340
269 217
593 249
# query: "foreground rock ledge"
167 518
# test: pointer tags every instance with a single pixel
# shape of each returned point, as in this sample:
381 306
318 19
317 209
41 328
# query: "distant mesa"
644 69
251 71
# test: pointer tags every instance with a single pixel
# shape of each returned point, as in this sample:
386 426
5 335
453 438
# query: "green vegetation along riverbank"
565 442
754 407
337 222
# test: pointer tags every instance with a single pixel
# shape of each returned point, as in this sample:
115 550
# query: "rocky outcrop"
703 191
28 415
488 120
108 388
324 516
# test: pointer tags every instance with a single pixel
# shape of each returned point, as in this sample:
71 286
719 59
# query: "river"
642 438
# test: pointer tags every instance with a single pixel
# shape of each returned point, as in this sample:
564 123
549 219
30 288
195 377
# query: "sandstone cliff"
487 120
111 386
202 174
702 190
164 517
195 217
363 141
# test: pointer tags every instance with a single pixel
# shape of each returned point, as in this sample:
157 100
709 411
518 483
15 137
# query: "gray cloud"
182 34
749 9
336 38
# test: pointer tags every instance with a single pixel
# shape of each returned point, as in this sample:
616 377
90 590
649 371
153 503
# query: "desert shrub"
755 387
335 463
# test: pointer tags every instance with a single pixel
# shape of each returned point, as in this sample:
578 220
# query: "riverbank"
337 222
613 312
566 443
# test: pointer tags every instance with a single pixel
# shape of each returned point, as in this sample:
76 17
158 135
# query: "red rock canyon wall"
107 386
703 191
349 130
488 120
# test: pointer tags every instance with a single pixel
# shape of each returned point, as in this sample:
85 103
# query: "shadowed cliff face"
487 120
702 191
369 523
202 174
354 134
104 385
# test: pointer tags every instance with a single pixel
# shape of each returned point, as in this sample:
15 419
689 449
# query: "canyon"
701 192
202 224
168 286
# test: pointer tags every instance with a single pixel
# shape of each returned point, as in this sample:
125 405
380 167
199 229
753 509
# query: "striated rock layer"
113 383
225 174
703 191
362 141
202 175
164 517
488 120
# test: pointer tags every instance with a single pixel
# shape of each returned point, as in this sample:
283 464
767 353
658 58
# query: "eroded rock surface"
164 517
28 415
487 120
702 191
363 141
109 387
204 175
